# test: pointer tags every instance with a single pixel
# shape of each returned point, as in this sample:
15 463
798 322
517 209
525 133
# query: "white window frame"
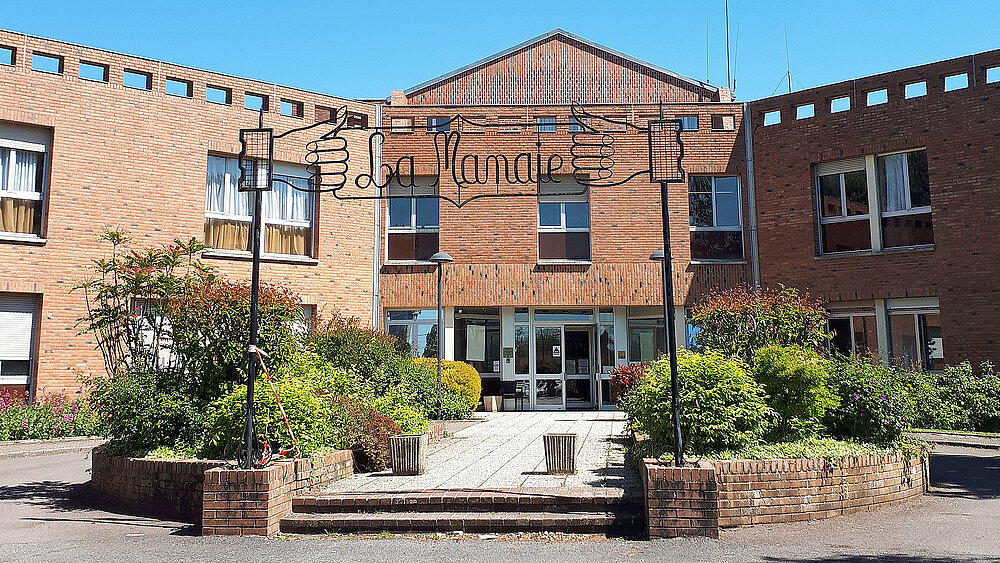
231 182
434 124
844 217
13 146
910 210
411 228
562 200
914 311
715 219
32 348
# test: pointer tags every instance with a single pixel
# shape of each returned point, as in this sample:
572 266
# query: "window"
288 213
291 108
840 104
905 197
772 117
413 222
956 82
853 334
6 55
563 225
477 338
805 111
46 63
715 225
255 102
992 73
416 328
355 119
93 71
877 97
688 122
915 339
645 333
137 79
606 341
324 113
218 95
401 125
438 124
616 123
178 87
843 207
545 124
522 365
723 122
915 90
18 326
22 179
575 125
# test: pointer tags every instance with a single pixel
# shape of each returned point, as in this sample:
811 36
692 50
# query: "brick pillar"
242 502
680 501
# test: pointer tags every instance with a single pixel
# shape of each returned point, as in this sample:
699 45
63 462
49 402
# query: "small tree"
742 320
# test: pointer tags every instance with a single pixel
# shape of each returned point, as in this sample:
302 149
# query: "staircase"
526 509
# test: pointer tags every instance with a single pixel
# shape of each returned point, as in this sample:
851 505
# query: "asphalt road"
43 518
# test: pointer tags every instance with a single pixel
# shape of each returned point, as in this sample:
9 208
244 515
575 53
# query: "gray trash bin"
408 453
560 452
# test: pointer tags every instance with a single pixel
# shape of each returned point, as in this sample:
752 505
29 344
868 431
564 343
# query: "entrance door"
548 384
579 368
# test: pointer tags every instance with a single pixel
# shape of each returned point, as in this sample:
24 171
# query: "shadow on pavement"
965 476
884 558
58 496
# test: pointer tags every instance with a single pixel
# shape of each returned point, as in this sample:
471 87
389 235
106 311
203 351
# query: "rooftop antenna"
708 78
729 78
736 57
788 68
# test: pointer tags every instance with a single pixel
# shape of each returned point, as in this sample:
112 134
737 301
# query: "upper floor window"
715 224
545 124
905 198
688 122
563 224
22 179
435 124
287 213
842 196
413 222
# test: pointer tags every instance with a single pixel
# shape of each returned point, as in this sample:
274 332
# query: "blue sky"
366 49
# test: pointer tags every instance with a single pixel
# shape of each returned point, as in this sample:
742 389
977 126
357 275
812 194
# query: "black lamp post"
670 341
440 258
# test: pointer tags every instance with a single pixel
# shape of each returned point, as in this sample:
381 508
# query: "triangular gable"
559 68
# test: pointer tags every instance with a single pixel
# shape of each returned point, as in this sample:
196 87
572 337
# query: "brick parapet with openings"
162 487
243 502
680 501
697 501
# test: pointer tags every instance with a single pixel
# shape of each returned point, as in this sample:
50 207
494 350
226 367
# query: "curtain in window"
221 192
299 204
227 234
285 239
19 215
25 173
895 182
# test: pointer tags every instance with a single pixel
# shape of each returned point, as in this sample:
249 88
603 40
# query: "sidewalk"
28 448
958 439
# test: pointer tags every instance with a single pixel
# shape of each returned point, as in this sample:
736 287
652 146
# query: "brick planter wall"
793 490
696 501
242 502
161 487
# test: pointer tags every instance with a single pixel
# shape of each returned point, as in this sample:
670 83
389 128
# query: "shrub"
459 377
365 431
795 382
874 404
957 399
625 378
740 321
721 406
52 415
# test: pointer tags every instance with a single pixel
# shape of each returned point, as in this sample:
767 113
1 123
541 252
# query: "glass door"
548 381
579 368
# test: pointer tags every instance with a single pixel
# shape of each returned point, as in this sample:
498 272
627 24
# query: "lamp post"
440 258
670 336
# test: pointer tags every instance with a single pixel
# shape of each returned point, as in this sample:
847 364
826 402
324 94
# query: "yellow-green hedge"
460 377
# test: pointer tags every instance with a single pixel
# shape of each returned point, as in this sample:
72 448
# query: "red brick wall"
561 70
241 503
793 490
680 501
958 130
494 241
137 159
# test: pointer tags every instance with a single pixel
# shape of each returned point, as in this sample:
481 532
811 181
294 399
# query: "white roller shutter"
840 166
18 323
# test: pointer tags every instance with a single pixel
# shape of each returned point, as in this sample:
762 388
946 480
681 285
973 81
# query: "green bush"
874 401
721 406
52 415
957 399
742 320
794 379
459 377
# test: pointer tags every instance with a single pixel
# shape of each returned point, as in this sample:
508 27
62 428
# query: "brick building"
551 290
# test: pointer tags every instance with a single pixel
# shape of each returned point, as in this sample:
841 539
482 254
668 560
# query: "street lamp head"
441 258
657 256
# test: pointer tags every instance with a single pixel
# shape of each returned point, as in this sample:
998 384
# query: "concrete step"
524 499
471 522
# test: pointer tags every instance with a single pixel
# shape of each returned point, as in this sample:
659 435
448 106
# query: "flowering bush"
874 403
742 320
52 415
625 378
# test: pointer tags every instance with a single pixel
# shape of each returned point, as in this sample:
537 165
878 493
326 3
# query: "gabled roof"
556 33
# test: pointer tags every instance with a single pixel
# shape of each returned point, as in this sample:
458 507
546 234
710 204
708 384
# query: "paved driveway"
42 519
